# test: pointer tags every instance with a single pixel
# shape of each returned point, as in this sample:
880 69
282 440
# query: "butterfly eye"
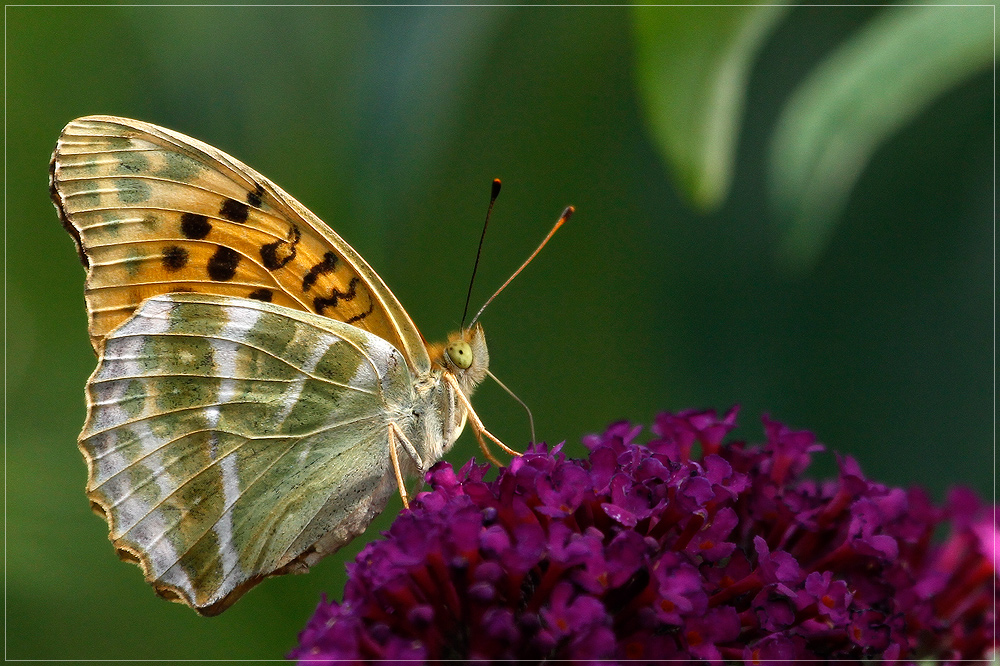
460 354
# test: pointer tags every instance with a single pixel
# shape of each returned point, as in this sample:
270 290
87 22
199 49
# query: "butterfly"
260 393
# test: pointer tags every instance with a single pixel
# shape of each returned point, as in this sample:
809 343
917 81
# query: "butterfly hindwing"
229 439
154 211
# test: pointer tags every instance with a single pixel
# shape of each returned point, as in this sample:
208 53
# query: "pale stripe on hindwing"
224 354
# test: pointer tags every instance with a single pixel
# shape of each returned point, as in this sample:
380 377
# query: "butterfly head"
466 357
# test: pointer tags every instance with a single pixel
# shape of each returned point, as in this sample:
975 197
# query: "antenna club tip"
496 188
568 213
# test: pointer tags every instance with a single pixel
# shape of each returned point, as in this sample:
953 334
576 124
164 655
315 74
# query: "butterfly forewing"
226 437
154 211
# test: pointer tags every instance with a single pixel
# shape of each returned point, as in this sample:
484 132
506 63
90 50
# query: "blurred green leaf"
862 94
692 70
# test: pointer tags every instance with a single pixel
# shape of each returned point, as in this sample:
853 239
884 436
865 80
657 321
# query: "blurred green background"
789 209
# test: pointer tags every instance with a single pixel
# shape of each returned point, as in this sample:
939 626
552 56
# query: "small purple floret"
684 548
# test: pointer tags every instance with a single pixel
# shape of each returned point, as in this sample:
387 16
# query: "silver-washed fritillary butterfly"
259 393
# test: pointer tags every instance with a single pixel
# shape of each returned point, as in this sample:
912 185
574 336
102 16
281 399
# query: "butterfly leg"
477 425
395 466
394 433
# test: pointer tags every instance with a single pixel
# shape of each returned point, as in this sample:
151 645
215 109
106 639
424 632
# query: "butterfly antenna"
562 220
531 419
494 193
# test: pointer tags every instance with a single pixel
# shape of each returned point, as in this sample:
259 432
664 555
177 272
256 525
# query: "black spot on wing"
269 255
222 265
174 258
320 303
327 265
234 211
261 295
253 198
195 226
277 254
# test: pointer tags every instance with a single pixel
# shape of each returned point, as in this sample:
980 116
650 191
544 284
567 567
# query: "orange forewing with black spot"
153 211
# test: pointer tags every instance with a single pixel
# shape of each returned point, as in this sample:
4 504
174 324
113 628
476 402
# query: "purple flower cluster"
682 548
